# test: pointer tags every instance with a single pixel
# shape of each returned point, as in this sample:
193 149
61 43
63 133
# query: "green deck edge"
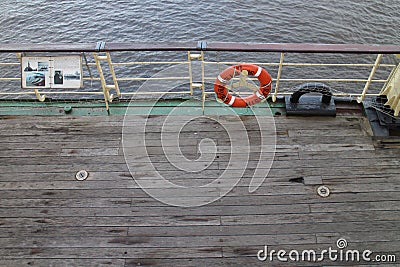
139 107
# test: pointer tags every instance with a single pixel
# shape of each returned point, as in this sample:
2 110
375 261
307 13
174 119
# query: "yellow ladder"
391 90
199 57
106 87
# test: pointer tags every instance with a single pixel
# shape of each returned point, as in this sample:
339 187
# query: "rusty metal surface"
92 47
154 46
213 46
305 48
15 48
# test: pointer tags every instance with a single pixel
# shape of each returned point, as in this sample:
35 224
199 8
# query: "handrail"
210 46
93 47
305 48
200 49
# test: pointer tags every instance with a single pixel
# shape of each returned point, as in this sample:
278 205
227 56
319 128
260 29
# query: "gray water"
311 21
297 21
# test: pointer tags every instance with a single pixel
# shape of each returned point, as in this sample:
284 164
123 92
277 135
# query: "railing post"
190 73
371 76
278 78
192 85
203 89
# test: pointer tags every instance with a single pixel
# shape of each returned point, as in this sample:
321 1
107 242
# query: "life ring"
225 76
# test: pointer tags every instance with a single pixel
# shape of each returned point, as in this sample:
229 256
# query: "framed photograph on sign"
35 72
51 72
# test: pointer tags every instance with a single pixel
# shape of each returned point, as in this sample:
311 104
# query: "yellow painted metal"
243 78
114 77
106 88
19 56
335 65
391 90
152 79
203 89
318 80
92 93
243 82
10 79
192 85
190 73
196 56
302 64
199 56
10 64
290 93
334 80
106 93
155 93
371 76
278 78
150 63
40 97
53 92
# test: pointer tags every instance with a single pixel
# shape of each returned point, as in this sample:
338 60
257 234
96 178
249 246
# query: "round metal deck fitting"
67 109
81 175
323 191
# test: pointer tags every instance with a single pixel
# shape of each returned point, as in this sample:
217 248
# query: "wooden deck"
47 218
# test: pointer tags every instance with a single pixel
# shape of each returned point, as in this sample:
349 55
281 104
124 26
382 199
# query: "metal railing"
192 52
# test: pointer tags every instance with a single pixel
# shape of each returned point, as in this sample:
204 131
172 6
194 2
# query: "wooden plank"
43 202
162 162
100 262
249 253
150 211
46 214
267 188
118 197
116 252
110 221
257 199
114 176
28 146
155 242
374 236
77 231
360 155
361 228
154 124
244 256
282 175
364 180
325 132
356 206
277 176
358 216
271 229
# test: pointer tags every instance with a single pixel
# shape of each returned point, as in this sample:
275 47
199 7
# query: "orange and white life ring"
235 101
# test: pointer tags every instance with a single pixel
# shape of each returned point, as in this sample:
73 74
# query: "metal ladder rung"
102 58
106 87
197 85
195 56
